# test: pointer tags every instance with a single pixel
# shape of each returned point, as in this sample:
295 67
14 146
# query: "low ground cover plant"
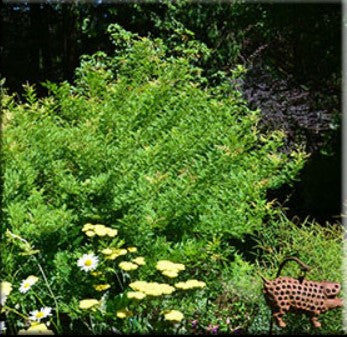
138 154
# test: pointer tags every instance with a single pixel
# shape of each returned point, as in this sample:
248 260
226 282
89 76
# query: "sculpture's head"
331 289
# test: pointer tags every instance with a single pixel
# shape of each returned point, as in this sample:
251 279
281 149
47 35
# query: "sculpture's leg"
314 320
278 315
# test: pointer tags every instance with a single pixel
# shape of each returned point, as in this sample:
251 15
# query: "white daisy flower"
2 327
88 262
37 315
27 283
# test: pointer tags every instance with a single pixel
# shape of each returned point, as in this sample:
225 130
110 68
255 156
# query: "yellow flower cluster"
36 329
132 249
125 265
124 313
5 290
88 303
152 288
136 294
96 273
99 230
190 284
113 253
101 287
173 315
139 260
169 269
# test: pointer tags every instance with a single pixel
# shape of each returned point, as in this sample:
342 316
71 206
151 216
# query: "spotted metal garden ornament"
285 294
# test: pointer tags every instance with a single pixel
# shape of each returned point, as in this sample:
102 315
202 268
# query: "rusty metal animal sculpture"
285 294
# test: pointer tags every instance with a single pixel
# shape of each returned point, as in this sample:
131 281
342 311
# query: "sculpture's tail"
264 279
304 267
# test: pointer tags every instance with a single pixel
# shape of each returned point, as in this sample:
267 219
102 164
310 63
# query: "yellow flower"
181 285
32 279
5 290
87 227
116 253
96 273
124 313
164 265
152 291
196 283
152 288
138 285
190 284
136 294
127 266
166 289
111 232
168 265
101 287
170 273
169 269
90 233
36 329
139 260
173 315
132 249
179 266
100 230
107 251
88 303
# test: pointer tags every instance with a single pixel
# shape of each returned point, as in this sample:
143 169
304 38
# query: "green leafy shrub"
137 143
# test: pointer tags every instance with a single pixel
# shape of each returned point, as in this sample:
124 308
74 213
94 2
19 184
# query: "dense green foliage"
295 42
147 149
142 144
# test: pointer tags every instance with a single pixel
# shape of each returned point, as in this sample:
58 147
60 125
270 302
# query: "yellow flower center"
88 263
26 285
40 314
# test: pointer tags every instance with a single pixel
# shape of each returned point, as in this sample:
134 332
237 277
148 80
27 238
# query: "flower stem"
52 295
16 312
